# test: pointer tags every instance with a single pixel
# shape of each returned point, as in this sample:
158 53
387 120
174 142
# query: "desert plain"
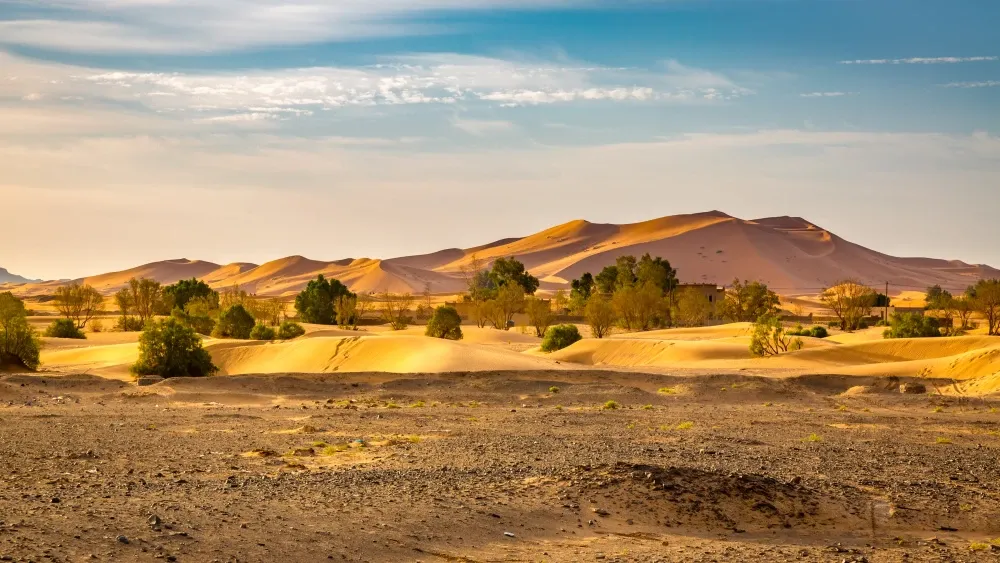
382 445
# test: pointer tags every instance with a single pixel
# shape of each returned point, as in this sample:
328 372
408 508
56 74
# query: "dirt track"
494 467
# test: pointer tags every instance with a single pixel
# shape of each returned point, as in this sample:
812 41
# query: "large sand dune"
793 255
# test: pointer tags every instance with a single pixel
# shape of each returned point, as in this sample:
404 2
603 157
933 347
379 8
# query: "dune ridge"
791 254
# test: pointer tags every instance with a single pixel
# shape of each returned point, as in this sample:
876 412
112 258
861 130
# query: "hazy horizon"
246 130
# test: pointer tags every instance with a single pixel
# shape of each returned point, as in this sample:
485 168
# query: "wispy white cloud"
921 61
827 94
442 79
982 84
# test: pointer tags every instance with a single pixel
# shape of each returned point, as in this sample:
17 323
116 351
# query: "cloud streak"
981 84
922 61
827 94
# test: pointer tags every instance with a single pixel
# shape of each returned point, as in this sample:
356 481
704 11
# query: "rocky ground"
495 467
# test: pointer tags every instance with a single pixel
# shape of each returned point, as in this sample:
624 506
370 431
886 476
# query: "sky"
249 130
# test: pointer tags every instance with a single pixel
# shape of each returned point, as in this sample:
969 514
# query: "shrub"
445 323
234 322
129 324
911 325
18 342
63 328
814 332
770 339
559 337
262 332
819 332
600 314
96 325
170 348
289 330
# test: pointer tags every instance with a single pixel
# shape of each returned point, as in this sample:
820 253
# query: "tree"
445 323
963 307
508 270
362 305
911 325
987 303
937 298
559 301
540 315
658 272
233 295
559 337
199 313
347 310
396 309
769 338
125 302
147 298
509 300
580 291
64 328
600 314
169 348
606 280
426 307
748 301
78 303
268 311
692 308
235 322
179 294
315 304
850 301
636 306
19 344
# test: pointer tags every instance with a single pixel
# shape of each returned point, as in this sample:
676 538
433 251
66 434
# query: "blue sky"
383 128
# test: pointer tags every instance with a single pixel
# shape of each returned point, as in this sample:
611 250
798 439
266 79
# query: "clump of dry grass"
813 438
610 406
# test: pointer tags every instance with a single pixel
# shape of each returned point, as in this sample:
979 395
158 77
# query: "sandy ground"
495 466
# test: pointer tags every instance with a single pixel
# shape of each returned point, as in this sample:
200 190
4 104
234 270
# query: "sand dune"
791 254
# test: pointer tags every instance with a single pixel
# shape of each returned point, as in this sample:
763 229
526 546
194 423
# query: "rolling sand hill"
790 254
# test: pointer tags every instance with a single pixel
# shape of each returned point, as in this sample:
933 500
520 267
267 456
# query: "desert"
547 398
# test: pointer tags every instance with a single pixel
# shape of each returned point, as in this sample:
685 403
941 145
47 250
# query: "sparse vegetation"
559 337
63 328
769 338
667 391
813 438
813 332
395 309
445 323
170 348
19 345
553 389
685 425
610 406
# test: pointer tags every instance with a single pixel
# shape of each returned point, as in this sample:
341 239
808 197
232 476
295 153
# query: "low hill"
7 277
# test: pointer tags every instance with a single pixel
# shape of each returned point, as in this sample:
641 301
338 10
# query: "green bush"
445 323
315 303
262 332
128 324
833 324
19 344
170 348
770 339
234 322
63 328
559 337
819 332
289 330
912 325
814 332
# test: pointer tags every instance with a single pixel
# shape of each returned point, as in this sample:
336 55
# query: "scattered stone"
508 534
154 522
122 539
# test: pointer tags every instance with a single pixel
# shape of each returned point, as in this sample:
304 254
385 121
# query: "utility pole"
885 316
